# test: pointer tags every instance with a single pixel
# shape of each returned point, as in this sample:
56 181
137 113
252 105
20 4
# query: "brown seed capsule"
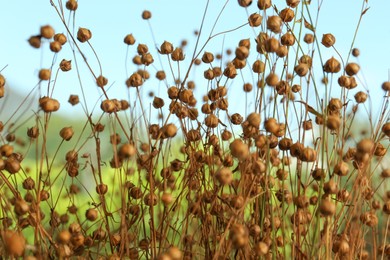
254 119
264 4
224 176
71 5
308 38
208 74
288 39
91 214
271 45
341 168
271 125
258 66
255 20
293 3
146 15
239 149
169 130
135 80
14 243
328 40
47 31
207 57
129 39
327 207
308 155
332 66
35 41
386 86
44 74
247 87
272 79
386 207
49 104
65 65
301 69
166 48
101 189
66 133
287 15
177 55
360 97
230 71
296 149
244 3
60 38
237 119
211 121
101 81
73 100
242 52
352 69
55 46
274 23
84 34
333 122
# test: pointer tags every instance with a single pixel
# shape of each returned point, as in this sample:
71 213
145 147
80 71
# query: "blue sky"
172 20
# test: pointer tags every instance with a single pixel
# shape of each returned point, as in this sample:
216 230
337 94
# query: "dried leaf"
365 10
311 109
308 25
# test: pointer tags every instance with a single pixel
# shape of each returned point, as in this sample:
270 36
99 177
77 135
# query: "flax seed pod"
333 122
301 69
239 64
254 119
35 41
66 133
49 104
208 74
293 3
255 20
242 52
211 121
332 66
352 69
84 34
14 243
91 214
230 71
308 155
386 129
207 57
60 38
237 119
264 4
239 149
327 207
360 97
44 74
135 80
328 40
271 45
386 86
274 24
47 31
244 3
65 65
129 39
341 168
287 15
245 43
55 46
71 5
224 176
288 39
308 38
166 48
258 67
272 79
177 55
146 15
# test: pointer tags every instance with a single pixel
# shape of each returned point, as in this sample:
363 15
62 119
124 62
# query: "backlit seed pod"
61 38
169 130
177 55
330 187
44 74
301 69
360 97
352 69
285 144
272 79
12 165
135 80
288 39
307 125
287 15
318 174
247 87
355 52
158 102
91 214
166 48
254 119
224 176
147 59
66 133
351 83
160 75
255 20
343 81
47 31
261 248
328 40
365 146
73 100
293 3
341 168
296 149
244 3
271 125
258 66
264 4
242 53
237 119
308 155
386 129
101 189
211 121
6 150
55 46
101 81
14 243
49 104
380 150
239 149
65 65
369 219
208 74
386 207
230 71
129 39
35 41
84 34
71 5
332 66
33 132
245 43
207 57
308 38
239 64
146 15
296 88
217 72
333 122
271 45
274 23
327 207
386 86
108 106
64 237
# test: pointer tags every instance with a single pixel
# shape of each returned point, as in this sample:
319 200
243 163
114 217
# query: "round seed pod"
177 55
258 66
66 133
239 235
287 15
247 87
355 52
271 125
166 48
127 150
386 207
84 34
308 38
224 176
386 129
272 79
341 169
35 41
365 146
135 80
207 57
129 39
271 45
274 24
65 65
245 43
208 74
166 198
255 20
296 149
55 46
264 4
242 52
146 15
6 150
169 131
151 199
328 40
211 121
230 71
14 243
60 38
360 97
12 165
91 214
108 106
307 125
330 187
352 69
332 66
288 39
285 144
369 219
71 5
244 3
101 81
147 59
386 86
239 149
282 51
237 119
47 31
293 3
333 122
327 207
301 69
101 189
64 237
254 119
308 155
318 174
44 74
239 64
